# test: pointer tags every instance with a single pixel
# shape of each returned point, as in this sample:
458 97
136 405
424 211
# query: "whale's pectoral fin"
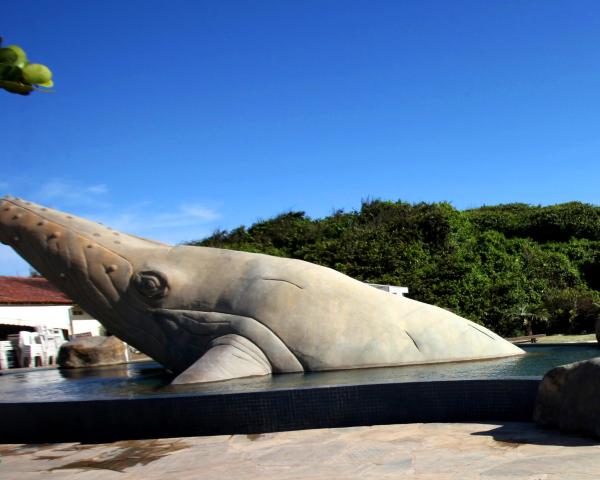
229 356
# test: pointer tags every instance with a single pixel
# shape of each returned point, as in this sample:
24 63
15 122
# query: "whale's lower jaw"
200 329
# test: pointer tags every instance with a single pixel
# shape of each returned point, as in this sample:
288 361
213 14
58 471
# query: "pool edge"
505 399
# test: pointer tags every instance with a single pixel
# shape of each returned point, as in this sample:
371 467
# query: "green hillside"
496 265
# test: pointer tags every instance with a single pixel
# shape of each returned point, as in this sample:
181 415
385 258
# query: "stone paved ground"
418 451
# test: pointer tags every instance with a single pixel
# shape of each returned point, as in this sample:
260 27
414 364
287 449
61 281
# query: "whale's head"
112 275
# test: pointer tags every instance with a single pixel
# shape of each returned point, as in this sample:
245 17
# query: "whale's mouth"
196 322
193 329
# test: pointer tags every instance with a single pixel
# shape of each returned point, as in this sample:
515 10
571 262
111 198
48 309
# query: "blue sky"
170 119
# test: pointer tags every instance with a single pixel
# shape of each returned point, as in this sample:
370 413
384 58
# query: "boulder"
568 398
91 352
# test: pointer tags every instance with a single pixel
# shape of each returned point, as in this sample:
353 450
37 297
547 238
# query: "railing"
526 338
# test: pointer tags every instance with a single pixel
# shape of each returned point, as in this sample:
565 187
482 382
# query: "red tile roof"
30 291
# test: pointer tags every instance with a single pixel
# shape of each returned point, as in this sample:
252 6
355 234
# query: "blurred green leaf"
16 87
21 59
36 74
8 56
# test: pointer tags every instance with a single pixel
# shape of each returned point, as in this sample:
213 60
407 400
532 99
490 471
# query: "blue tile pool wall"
509 399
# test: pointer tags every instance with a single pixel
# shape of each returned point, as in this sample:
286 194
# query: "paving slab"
440 451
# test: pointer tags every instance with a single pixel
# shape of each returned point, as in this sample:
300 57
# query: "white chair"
7 355
53 340
30 349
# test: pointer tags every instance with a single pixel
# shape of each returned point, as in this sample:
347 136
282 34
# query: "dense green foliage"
501 266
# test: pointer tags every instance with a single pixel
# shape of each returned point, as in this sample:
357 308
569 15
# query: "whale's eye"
151 284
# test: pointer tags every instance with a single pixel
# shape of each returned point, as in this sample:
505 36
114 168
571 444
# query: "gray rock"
91 352
211 314
568 398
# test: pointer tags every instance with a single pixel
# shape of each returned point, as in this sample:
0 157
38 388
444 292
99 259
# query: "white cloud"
97 189
188 221
67 193
184 216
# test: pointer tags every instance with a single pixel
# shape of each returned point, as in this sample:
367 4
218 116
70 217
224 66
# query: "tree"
508 267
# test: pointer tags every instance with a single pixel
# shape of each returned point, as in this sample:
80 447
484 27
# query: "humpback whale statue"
210 314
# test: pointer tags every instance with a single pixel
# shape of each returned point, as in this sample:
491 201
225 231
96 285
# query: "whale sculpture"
211 314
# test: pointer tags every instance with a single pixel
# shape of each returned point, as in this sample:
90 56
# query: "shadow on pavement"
529 433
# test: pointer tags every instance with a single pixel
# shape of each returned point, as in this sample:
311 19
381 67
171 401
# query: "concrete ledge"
510 399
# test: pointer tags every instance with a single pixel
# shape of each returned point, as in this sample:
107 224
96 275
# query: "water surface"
149 378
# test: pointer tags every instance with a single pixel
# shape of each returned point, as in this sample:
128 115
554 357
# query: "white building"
393 289
30 302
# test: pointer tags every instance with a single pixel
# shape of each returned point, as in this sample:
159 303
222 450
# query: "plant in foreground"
18 75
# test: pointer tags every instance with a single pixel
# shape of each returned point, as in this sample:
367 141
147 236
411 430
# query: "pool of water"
149 378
